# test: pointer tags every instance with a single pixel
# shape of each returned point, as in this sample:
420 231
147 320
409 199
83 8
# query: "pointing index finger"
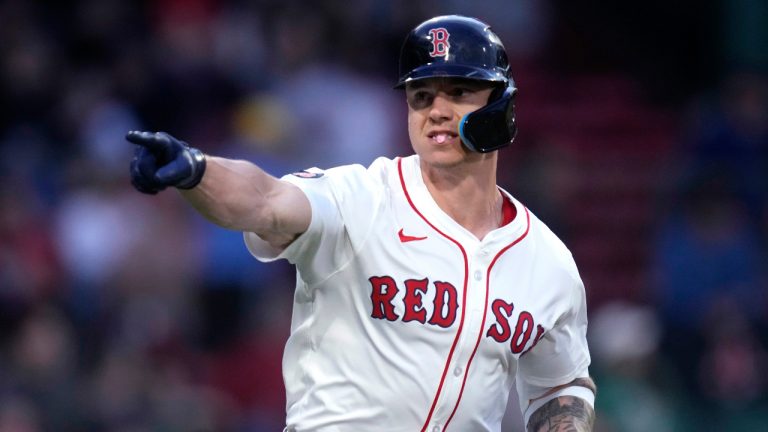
154 141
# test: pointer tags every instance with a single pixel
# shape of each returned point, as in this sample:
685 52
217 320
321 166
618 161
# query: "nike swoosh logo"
406 238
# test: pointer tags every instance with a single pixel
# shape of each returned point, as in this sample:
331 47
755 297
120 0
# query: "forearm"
233 194
567 412
563 414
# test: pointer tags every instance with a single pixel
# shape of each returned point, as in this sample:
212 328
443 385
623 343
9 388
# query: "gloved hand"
161 160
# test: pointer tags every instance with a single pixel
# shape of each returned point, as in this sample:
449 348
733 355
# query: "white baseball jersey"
404 321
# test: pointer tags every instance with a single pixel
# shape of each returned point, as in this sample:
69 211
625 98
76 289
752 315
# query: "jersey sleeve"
561 356
344 203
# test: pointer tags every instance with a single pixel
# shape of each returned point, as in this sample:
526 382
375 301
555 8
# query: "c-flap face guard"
491 127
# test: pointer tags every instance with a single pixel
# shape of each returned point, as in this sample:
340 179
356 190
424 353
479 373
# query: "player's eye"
420 99
458 92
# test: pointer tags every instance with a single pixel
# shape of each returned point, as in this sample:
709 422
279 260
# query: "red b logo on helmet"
440 43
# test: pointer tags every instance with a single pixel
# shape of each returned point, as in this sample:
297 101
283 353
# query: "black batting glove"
161 160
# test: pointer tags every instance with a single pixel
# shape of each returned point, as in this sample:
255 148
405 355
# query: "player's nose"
441 109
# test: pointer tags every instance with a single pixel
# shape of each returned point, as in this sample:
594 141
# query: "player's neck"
469 195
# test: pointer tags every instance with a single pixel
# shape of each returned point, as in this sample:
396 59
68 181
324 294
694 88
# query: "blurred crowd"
129 313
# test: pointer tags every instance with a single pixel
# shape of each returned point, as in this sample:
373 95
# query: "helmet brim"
452 70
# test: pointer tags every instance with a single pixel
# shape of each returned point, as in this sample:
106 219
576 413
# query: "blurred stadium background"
643 143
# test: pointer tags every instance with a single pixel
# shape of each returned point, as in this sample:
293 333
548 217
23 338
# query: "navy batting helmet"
455 46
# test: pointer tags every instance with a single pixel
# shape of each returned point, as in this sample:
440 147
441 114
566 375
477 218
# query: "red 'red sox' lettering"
414 311
383 292
384 289
501 331
446 304
501 310
522 332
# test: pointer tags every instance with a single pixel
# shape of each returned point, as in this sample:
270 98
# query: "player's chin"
444 157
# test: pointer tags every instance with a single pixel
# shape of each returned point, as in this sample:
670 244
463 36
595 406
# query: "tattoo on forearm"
563 414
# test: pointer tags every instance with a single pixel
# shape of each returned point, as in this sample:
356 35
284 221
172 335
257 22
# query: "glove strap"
197 160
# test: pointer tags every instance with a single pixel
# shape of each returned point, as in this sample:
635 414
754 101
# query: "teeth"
440 138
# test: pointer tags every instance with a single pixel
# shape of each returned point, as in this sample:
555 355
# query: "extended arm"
241 196
233 194
565 413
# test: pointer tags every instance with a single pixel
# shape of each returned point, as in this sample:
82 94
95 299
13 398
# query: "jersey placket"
476 262
476 301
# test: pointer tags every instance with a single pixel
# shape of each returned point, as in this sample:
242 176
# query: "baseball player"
424 291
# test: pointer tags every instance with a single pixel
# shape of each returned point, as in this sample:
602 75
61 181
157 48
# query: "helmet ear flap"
497 93
493 126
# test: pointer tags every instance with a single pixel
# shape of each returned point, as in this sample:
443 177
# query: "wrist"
197 161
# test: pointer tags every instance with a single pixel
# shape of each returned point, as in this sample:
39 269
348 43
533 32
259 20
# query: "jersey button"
457 371
436 428
478 275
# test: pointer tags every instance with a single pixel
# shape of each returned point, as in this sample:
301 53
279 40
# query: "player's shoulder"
380 166
383 167
379 174
353 180
550 244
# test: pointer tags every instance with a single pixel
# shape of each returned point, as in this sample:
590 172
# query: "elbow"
257 220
